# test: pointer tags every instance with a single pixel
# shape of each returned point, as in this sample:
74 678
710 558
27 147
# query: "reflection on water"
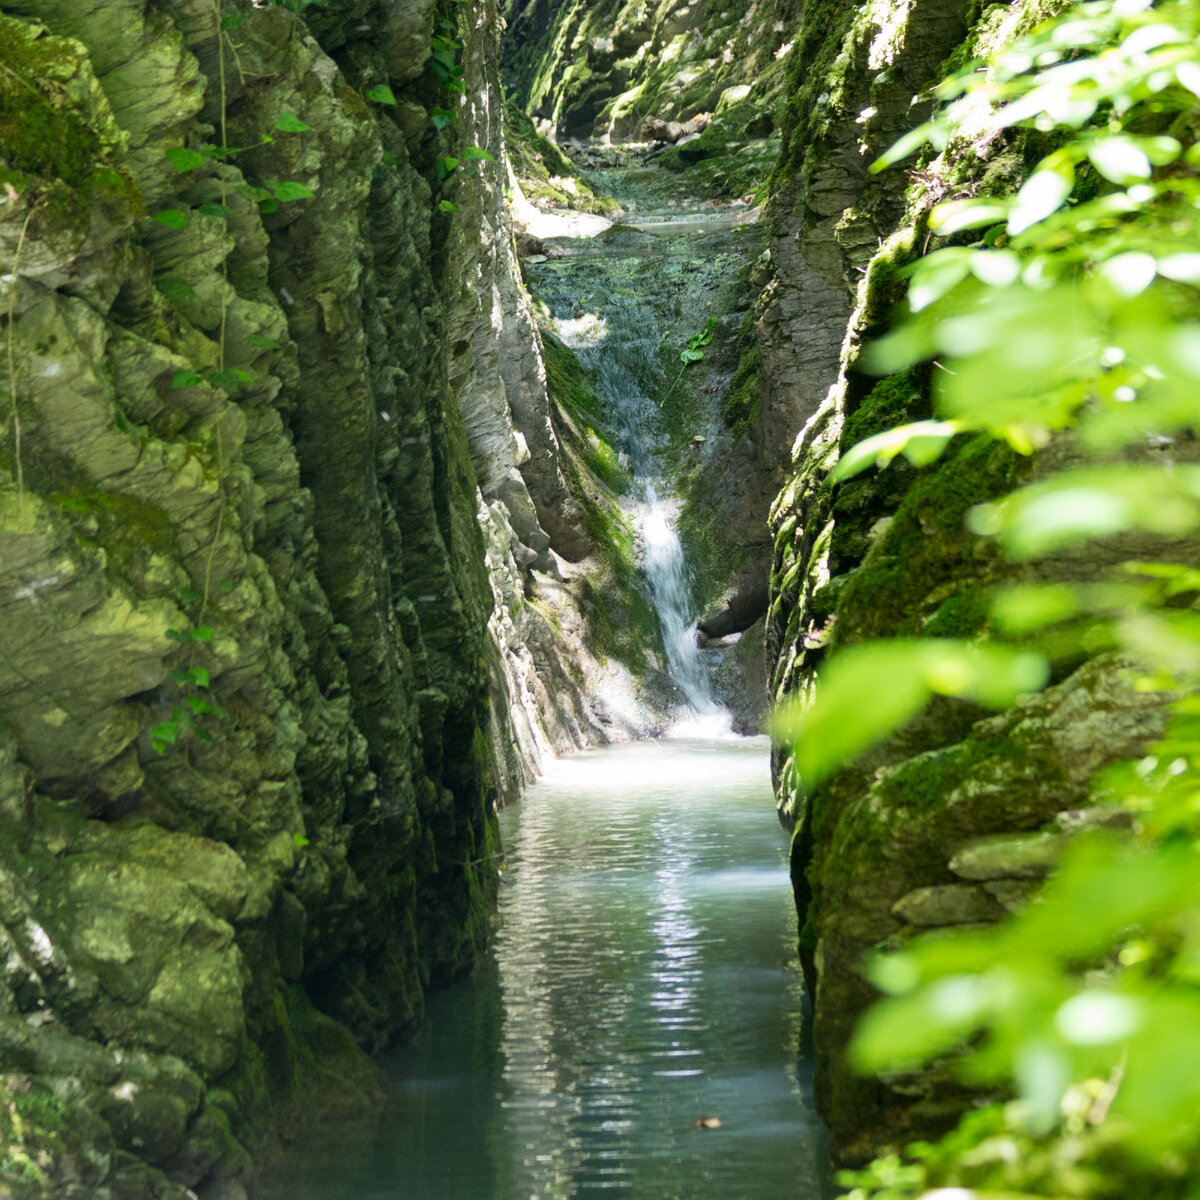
642 977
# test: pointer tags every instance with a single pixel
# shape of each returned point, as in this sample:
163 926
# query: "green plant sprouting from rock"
692 352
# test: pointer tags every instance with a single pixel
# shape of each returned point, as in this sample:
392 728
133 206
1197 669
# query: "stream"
642 977
625 301
636 1024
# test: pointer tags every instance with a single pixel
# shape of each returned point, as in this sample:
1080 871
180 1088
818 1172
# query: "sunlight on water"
643 977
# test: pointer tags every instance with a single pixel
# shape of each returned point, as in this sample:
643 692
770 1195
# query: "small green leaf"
185 379
472 153
902 148
214 211
178 290
457 85
225 586
441 117
1040 195
160 747
233 21
177 636
921 443
290 190
180 675
230 379
201 633
190 595
290 123
382 94
184 159
165 732
268 206
263 343
172 218
1026 607
1120 160
447 166
956 215
299 841
199 676
447 206
1130 273
255 193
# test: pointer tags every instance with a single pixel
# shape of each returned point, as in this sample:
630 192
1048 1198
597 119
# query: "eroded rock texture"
254 397
903 840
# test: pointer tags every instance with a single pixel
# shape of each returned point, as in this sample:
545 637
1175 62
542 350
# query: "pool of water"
635 1028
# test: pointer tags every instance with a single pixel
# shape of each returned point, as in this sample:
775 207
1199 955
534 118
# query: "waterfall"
666 576
616 333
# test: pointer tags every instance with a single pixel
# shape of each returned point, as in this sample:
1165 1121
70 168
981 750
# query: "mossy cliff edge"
954 819
259 692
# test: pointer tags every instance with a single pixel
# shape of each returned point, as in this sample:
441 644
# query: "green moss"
729 158
49 145
707 547
817 67
962 615
121 515
537 161
893 401
566 379
927 541
740 404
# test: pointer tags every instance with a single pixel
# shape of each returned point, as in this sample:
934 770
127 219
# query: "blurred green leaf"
920 442
868 690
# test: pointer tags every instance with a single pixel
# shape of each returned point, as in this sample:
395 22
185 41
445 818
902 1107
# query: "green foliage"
1072 316
692 352
382 94
853 711
193 681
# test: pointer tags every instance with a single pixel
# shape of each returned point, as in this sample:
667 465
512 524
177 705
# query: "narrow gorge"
433 450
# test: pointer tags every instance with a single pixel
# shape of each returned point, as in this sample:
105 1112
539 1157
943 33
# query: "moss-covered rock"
889 553
247 760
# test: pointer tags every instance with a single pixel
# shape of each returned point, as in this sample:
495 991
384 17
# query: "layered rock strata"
259 692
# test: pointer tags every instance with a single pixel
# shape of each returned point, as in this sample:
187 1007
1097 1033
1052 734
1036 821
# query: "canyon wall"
955 819
272 648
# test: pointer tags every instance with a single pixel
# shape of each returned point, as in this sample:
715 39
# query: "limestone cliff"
259 694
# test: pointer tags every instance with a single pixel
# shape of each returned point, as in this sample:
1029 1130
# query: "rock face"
953 819
259 693
610 67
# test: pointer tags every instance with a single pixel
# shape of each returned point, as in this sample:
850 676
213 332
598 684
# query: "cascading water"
617 333
666 577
